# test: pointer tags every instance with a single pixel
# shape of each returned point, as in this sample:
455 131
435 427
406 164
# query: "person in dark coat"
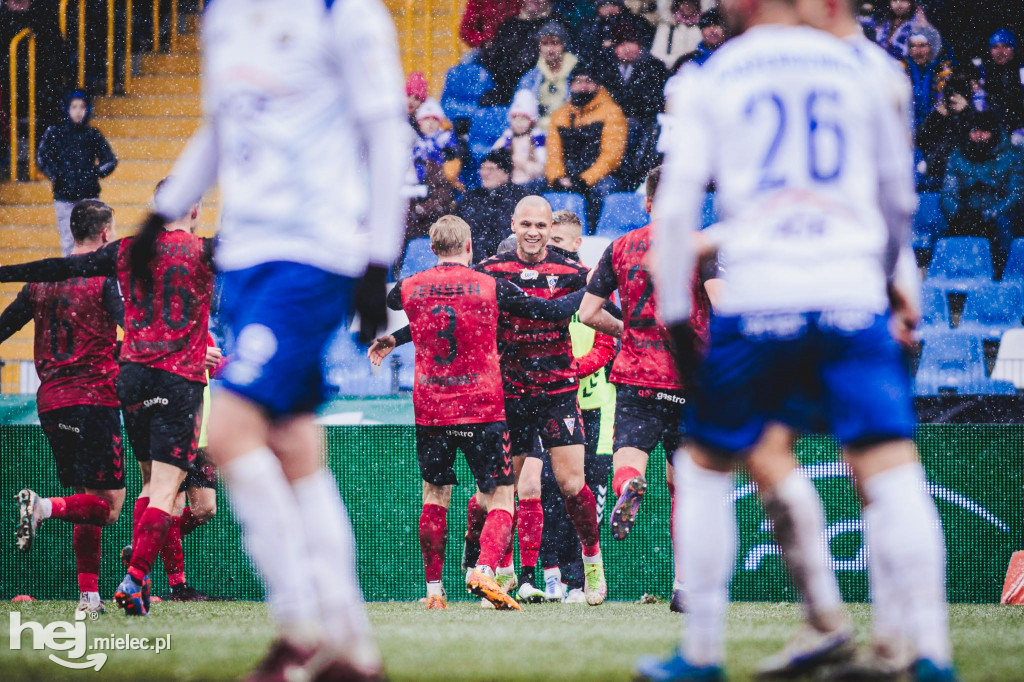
1002 69
634 79
489 208
594 38
712 30
74 156
513 51
943 131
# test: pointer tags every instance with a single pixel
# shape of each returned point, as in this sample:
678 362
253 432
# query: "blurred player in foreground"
650 400
305 133
453 321
814 176
75 356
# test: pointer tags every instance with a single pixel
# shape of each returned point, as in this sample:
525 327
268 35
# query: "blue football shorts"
843 365
280 319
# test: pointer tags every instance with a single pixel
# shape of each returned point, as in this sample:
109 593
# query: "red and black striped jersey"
536 356
646 355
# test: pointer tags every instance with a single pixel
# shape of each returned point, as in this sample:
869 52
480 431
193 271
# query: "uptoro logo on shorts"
72 638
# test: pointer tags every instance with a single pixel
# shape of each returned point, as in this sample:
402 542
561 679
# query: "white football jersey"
285 87
798 136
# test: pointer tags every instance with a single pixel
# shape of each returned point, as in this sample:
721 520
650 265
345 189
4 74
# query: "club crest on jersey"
570 423
552 282
530 274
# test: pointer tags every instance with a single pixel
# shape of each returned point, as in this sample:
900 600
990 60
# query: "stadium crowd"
573 91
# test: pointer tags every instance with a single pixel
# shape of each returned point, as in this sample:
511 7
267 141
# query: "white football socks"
907 540
265 507
332 557
888 627
798 517
705 547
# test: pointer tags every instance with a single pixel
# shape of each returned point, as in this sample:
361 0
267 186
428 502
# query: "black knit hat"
502 158
710 18
582 68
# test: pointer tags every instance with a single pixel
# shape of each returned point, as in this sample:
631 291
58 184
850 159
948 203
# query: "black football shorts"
202 474
486 447
555 419
162 414
86 444
646 416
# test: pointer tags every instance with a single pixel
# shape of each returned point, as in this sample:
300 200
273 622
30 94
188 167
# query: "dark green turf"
545 642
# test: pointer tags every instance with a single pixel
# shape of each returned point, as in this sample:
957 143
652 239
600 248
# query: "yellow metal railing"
420 50
63 19
174 24
127 47
23 34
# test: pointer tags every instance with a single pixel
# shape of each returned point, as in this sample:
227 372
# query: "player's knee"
204 512
570 484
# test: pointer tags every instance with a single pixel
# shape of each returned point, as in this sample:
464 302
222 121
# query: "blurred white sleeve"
679 202
371 72
194 172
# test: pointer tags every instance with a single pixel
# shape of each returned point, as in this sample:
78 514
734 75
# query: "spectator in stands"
586 142
549 80
712 31
893 32
513 51
943 130
436 142
482 18
594 38
415 94
1002 77
74 156
489 208
677 33
983 193
928 75
525 142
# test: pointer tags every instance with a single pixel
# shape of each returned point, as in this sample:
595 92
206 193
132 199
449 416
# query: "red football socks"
149 539
495 537
85 539
621 477
172 553
531 528
140 508
80 509
476 516
189 522
433 538
582 508
506 561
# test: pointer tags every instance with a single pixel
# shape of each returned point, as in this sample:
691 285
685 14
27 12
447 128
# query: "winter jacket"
1005 93
528 154
672 41
937 137
643 95
991 186
597 30
483 17
512 52
698 57
74 156
550 87
489 215
928 83
588 142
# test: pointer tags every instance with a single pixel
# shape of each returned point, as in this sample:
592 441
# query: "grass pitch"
221 641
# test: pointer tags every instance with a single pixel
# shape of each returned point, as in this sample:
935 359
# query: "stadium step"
149 105
151 149
166 85
149 126
178 63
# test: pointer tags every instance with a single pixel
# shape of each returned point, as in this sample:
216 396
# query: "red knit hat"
416 85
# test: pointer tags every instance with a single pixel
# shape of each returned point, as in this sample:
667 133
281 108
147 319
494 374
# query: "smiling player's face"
532 228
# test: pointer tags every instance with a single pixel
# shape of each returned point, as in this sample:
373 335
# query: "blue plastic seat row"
955 361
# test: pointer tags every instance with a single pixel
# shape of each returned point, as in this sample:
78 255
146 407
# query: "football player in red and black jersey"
540 377
75 343
163 371
650 396
458 398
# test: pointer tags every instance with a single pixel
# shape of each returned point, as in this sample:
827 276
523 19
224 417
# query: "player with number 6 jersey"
161 381
458 398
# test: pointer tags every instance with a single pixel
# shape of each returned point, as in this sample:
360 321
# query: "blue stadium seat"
960 264
992 309
622 212
934 308
487 126
952 360
1014 270
566 201
929 221
463 86
418 257
710 212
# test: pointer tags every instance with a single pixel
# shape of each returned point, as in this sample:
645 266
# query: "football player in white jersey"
305 132
816 189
